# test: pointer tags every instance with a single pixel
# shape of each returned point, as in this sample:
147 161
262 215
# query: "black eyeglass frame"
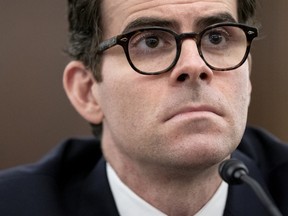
123 40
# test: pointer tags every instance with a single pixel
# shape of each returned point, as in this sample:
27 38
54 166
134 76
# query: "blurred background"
35 114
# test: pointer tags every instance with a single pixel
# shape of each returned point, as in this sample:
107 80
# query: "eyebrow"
201 22
148 22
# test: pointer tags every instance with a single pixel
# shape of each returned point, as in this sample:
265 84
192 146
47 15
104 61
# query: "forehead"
118 14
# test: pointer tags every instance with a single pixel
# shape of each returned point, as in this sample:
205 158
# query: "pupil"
215 38
152 42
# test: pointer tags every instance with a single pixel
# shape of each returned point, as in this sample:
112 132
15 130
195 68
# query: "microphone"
234 171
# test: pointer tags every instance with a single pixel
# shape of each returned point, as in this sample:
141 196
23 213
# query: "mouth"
190 112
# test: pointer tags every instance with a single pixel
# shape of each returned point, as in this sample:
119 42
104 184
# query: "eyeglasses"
156 50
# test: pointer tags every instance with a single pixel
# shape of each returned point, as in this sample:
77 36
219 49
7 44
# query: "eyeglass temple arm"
252 33
106 44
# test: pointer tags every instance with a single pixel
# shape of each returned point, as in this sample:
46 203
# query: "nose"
190 66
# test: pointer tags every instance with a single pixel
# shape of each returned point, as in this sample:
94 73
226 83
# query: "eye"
152 42
218 38
215 37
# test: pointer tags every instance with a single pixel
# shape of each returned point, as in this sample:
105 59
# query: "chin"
198 155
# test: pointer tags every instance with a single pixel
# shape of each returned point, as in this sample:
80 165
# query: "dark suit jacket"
72 180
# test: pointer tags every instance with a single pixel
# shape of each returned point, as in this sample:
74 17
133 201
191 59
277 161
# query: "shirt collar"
130 204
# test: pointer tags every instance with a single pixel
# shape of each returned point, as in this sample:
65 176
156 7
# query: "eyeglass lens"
152 51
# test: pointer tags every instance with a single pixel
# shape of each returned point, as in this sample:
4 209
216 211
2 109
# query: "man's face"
189 116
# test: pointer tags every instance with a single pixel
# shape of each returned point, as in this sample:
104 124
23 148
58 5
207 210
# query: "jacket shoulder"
270 155
263 147
35 189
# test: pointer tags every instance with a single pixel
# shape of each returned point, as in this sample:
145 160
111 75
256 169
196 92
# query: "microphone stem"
261 195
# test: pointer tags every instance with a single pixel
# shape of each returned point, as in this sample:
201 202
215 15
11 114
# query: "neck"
172 191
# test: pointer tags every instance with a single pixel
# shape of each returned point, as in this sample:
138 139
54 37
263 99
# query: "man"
168 83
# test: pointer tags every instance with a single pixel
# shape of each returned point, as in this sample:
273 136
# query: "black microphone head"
231 171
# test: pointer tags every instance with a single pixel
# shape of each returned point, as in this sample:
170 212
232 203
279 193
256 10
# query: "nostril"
182 77
203 76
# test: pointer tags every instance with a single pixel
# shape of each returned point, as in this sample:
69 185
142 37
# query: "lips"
193 110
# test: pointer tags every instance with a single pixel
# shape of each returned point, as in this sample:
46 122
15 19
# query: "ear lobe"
78 84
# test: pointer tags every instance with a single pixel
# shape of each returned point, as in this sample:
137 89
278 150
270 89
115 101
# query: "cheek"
239 85
126 94
129 116
243 88
126 101
239 96
115 87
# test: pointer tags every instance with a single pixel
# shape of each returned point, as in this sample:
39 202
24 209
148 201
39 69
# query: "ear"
78 83
250 71
249 63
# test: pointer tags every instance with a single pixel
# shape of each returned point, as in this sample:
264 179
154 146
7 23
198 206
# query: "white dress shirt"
130 204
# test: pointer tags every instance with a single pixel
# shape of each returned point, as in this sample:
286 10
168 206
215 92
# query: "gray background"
35 114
